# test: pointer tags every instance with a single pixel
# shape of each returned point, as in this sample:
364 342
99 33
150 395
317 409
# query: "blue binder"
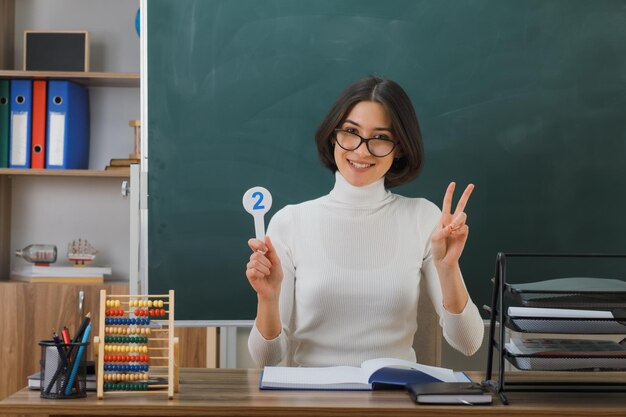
21 118
67 136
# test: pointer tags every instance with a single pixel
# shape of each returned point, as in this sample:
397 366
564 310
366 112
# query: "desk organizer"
574 306
139 353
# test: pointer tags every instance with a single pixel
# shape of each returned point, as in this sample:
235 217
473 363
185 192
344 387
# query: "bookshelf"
116 173
114 99
88 79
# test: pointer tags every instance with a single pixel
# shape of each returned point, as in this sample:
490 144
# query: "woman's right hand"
264 271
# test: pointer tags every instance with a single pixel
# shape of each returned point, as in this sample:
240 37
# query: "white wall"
114 44
57 210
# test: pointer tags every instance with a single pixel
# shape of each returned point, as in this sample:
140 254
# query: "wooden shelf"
7 280
90 79
114 173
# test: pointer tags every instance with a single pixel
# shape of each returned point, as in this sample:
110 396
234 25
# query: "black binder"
461 393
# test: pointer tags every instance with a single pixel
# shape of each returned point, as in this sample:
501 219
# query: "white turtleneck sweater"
352 263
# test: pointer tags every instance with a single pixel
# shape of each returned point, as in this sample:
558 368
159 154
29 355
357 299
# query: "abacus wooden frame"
172 346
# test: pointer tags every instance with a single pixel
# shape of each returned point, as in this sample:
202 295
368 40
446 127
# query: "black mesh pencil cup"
63 369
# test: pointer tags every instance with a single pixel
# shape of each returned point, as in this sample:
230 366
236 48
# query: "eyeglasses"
350 141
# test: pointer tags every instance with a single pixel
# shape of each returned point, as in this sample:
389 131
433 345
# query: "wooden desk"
234 392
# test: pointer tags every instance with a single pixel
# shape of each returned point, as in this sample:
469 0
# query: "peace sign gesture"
449 238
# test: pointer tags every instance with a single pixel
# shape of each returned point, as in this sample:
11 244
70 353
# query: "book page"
372 365
314 376
558 313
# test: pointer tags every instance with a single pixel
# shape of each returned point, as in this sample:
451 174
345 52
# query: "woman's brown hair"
409 150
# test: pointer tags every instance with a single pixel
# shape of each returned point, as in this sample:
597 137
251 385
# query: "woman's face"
359 167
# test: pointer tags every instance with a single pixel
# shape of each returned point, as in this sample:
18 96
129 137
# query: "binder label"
57 138
19 128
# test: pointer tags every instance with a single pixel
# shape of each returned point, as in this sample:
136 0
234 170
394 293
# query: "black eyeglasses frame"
366 141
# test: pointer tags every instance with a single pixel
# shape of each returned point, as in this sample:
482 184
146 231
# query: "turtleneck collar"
368 195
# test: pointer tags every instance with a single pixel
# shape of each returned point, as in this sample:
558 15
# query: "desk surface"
235 392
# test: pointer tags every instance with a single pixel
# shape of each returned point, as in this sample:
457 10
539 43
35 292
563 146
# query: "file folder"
38 133
67 142
5 97
21 119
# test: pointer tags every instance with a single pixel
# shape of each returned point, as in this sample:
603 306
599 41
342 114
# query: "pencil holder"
63 369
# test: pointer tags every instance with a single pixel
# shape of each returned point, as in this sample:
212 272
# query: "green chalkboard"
527 99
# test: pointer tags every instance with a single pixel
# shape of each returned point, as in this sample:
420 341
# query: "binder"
38 142
5 97
67 138
467 393
20 125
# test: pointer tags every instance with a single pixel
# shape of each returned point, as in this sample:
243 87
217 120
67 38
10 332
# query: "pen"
59 346
68 385
68 340
64 359
81 329
66 337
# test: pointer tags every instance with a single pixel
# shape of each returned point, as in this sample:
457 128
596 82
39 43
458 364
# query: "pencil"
79 355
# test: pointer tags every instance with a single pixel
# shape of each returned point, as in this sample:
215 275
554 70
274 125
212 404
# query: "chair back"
427 340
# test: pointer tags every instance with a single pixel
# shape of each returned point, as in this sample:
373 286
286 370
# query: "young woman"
337 278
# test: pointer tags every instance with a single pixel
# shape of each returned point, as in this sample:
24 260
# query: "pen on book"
81 350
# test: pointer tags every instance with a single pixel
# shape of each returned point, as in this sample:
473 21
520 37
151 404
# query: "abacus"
132 355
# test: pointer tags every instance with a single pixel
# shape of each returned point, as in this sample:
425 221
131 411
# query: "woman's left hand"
449 238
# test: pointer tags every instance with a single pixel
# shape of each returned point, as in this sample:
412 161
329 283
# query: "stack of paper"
567 354
569 347
558 320
70 274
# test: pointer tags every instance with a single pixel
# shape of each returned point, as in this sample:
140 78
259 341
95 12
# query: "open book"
372 374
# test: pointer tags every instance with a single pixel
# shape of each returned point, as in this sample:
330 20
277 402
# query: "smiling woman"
349 291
